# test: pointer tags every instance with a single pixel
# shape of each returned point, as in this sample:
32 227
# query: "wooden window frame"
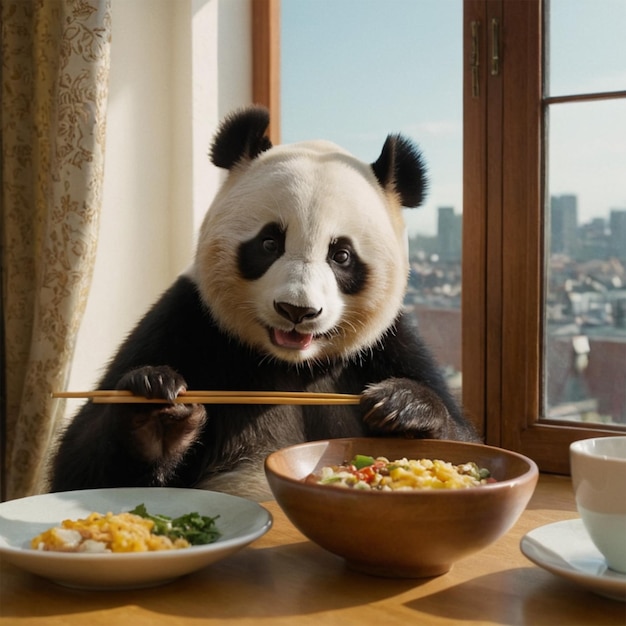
503 190
266 61
503 223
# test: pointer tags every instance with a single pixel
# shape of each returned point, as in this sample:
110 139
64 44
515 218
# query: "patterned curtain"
55 65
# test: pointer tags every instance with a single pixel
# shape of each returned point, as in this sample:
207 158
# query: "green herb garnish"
195 528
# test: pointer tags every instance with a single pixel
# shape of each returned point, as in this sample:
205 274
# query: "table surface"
284 579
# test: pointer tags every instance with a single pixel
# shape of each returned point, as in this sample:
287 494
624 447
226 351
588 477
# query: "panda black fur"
297 285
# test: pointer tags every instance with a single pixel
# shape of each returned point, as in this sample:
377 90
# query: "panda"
297 284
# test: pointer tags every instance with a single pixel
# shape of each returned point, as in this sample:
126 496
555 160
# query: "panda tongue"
292 339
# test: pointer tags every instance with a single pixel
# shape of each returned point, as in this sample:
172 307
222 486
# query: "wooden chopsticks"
102 396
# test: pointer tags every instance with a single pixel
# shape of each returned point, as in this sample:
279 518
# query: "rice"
403 474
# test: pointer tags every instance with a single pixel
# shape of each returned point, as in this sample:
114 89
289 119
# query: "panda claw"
153 382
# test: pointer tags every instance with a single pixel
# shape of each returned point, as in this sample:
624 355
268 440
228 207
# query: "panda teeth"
291 339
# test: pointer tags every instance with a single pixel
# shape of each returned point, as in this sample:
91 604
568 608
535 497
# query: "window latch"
475 59
495 47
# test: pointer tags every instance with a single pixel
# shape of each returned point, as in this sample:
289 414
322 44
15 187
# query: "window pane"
586 46
585 310
353 71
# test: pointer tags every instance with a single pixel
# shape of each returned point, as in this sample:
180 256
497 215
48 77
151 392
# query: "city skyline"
568 233
598 238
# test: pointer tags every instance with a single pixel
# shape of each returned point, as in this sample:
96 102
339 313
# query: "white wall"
177 67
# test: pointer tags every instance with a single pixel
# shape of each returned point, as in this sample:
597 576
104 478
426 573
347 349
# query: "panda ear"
241 136
400 168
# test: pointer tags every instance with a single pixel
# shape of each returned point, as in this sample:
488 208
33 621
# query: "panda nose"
296 314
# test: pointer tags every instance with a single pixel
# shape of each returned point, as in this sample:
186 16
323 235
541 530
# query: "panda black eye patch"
350 271
257 255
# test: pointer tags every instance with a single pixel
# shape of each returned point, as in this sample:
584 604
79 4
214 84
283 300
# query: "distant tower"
617 241
564 224
449 229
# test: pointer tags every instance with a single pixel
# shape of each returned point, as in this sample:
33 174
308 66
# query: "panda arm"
406 391
129 444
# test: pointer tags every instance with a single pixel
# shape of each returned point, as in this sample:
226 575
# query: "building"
617 237
449 234
564 224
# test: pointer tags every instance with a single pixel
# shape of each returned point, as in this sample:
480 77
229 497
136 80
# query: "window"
584 201
355 93
514 201
515 126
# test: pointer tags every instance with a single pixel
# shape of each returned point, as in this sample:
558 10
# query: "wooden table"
284 579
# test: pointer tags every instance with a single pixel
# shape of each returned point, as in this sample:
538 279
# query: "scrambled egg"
123 532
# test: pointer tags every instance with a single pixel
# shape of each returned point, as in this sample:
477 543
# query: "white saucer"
565 549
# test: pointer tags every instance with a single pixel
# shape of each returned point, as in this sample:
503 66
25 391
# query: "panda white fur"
297 285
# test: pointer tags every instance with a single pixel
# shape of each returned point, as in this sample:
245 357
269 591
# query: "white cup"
598 469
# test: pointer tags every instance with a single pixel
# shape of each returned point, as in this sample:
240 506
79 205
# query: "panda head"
302 255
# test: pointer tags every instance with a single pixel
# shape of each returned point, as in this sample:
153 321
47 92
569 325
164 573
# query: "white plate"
240 522
565 549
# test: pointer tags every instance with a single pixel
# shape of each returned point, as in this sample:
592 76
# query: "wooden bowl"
417 533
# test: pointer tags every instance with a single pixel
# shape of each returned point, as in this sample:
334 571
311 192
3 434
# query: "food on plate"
380 474
133 531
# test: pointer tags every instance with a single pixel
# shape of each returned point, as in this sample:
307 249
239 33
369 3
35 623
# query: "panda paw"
153 382
402 407
158 432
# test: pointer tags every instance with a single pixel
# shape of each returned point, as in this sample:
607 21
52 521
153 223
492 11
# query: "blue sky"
354 71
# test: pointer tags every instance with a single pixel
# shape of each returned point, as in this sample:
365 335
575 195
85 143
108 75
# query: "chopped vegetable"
361 460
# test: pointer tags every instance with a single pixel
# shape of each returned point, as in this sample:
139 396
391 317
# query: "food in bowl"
381 474
133 531
407 533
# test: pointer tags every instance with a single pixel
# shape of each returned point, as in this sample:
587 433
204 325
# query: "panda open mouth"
291 339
